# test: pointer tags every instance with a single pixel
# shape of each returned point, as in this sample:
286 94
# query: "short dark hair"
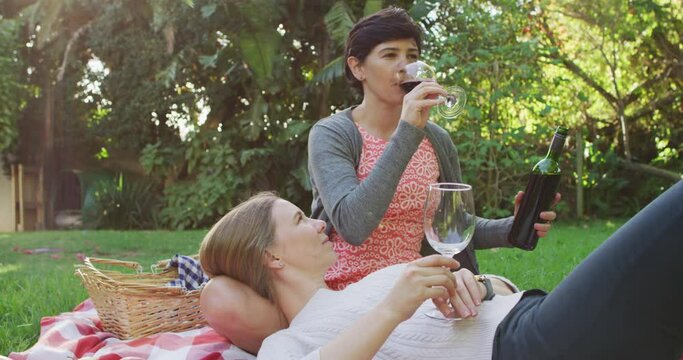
385 25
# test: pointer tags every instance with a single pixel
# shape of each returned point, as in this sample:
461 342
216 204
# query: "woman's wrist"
503 285
388 314
482 290
500 287
412 128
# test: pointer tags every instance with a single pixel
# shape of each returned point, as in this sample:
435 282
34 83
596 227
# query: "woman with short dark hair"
371 163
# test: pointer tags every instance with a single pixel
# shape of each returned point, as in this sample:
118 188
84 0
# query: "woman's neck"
377 117
294 292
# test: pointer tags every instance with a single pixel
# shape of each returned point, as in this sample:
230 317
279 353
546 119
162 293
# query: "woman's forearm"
423 279
500 287
356 208
492 233
237 312
365 336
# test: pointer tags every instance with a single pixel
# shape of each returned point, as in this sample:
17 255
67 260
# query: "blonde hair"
236 244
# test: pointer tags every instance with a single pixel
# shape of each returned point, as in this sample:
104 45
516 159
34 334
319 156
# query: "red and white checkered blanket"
79 335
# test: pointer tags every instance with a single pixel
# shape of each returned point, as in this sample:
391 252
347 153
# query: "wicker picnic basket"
136 305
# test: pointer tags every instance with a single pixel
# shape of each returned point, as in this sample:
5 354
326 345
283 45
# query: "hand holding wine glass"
449 220
415 73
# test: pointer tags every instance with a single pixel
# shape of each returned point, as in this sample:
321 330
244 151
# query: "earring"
280 264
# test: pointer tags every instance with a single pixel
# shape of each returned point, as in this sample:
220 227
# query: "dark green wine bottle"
538 195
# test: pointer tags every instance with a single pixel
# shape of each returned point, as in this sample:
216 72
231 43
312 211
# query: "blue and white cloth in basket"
190 274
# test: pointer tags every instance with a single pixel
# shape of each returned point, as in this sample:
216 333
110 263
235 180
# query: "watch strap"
489 287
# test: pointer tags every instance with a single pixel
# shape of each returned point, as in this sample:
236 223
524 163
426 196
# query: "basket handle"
129 264
162 265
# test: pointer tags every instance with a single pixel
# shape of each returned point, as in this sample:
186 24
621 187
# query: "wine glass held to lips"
414 73
449 221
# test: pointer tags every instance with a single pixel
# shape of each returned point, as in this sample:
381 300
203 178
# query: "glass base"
436 314
454 103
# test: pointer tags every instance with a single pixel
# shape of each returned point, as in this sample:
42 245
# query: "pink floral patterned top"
398 237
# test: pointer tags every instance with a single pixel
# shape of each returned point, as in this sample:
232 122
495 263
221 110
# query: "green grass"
554 257
38 285
34 286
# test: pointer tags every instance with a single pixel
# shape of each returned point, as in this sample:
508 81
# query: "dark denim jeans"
625 301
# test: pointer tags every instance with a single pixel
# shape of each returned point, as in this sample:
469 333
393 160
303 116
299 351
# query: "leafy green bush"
202 177
613 190
497 161
13 89
123 204
214 170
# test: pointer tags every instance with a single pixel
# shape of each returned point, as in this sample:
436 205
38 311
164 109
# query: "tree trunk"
47 159
323 102
579 174
323 105
624 129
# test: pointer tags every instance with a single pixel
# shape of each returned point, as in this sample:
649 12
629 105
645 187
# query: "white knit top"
328 313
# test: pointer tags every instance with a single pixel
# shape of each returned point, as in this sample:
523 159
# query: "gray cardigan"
356 208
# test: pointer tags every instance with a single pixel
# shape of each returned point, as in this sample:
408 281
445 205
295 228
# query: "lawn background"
38 285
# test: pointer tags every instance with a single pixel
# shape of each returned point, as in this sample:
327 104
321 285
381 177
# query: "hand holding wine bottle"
534 203
545 218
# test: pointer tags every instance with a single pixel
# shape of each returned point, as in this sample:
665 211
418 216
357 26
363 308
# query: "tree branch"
671 51
575 69
72 40
654 105
633 94
649 169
